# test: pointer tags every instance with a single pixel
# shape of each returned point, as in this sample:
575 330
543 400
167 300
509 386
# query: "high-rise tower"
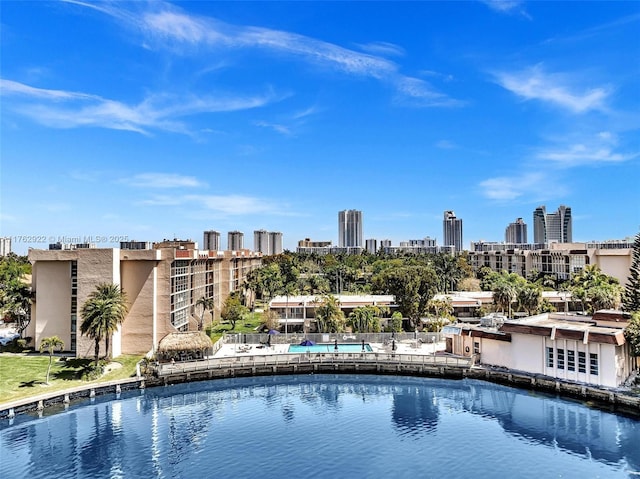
350 229
516 232
552 227
235 240
211 241
452 230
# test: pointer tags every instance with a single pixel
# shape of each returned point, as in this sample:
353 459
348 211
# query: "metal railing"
296 338
281 360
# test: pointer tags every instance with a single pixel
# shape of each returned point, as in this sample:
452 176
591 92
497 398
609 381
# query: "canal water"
323 426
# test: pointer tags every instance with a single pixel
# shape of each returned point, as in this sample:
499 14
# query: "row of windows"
74 304
568 361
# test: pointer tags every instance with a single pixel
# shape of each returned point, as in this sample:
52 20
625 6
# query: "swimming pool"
330 348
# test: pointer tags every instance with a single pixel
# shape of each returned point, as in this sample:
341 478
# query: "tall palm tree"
102 314
503 295
203 304
49 345
329 316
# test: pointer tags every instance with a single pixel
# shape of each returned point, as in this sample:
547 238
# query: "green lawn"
247 325
23 375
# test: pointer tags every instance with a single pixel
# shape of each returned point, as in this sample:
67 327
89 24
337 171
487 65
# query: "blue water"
330 348
323 426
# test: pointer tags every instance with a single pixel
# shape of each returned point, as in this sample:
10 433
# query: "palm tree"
49 345
102 314
203 304
329 316
530 298
503 295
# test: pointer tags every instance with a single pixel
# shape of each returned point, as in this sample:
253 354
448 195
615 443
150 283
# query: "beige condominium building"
162 284
560 260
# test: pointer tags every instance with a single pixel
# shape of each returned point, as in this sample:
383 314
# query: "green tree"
15 292
102 313
413 286
504 294
329 316
396 322
530 298
365 319
201 307
233 310
631 300
50 344
595 289
632 334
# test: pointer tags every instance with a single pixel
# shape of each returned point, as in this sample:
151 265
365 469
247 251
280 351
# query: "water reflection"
176 431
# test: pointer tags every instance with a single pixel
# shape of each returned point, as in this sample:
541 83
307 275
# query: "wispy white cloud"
167 26
275 127
507 6
162 180
66 109
382 48
598 149
223 205
527 185
559 89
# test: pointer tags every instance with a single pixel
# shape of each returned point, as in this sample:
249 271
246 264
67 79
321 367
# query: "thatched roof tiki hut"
184 346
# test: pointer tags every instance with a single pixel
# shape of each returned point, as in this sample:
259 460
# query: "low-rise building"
299 311
561 346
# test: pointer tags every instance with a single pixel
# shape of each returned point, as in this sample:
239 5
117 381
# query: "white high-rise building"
211 241
552 227
452 230
350 229
5 246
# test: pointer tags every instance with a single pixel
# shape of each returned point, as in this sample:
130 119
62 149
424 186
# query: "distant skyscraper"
452 230
211 241
275 242
5 246
385 243
552 227
516 233
235 240
350 229
371 246
261 241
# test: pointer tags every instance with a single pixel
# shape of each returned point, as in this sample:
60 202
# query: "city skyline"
175 118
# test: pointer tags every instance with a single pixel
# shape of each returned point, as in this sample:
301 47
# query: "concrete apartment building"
516 232
557 259
267 242
162 285
235 241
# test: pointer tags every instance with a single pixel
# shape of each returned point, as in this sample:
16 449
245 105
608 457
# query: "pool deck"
402 347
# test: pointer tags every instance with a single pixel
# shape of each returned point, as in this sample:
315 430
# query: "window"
476 348
571 360
582 362
549 357
593 363
560 358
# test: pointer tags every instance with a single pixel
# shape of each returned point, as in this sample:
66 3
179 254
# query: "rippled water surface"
323 426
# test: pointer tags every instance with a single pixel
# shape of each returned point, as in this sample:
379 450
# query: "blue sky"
160 120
